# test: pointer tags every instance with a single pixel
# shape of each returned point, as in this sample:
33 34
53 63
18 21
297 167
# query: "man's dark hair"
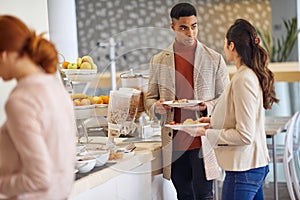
183 10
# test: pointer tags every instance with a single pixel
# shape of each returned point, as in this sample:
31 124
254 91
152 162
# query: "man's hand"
200 107
161 108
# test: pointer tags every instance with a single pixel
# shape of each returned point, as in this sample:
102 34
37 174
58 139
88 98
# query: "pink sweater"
37 141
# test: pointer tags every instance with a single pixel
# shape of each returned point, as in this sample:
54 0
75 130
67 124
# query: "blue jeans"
188 176
246 185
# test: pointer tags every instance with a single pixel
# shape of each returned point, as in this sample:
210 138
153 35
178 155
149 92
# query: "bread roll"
78 96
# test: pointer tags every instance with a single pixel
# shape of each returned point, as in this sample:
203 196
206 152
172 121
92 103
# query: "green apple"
72 66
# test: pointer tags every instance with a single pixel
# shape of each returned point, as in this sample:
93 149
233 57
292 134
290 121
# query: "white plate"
111 161
181 105
128 154
84 107
182 126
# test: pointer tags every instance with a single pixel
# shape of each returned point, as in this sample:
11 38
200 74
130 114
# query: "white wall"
33 12
60 27
63 27
283 10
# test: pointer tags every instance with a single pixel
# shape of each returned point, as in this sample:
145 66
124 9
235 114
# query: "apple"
72 66
85 65
94 66
88 59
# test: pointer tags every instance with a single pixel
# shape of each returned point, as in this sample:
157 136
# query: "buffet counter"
283 71
128 178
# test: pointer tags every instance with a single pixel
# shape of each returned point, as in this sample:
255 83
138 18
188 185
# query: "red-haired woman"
37 140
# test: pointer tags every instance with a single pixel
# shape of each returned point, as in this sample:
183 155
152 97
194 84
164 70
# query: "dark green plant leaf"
280 49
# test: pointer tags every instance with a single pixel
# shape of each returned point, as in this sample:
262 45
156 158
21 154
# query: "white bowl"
80 75
80 148
85 163
101 156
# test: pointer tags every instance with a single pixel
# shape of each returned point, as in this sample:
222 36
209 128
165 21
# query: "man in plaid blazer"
187 69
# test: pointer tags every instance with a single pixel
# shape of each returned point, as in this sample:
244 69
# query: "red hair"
16 36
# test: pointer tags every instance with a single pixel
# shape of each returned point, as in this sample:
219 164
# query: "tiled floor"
283 193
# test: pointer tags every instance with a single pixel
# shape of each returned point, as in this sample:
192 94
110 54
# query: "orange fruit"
97 100
65 64
105 99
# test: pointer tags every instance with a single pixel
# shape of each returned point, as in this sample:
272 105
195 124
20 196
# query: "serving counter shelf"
85 112
128 178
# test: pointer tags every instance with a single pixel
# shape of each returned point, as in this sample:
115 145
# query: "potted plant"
280 49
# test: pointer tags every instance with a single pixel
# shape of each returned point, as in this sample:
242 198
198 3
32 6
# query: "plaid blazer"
210 79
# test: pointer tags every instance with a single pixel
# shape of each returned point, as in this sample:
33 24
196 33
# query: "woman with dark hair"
237 131
37 140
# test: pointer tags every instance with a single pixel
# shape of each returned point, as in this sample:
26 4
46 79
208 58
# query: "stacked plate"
80 75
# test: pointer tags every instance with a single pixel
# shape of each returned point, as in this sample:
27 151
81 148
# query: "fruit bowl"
80 75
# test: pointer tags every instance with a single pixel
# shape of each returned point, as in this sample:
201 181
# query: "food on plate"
115 155
190 121
187 121
180 101
172 122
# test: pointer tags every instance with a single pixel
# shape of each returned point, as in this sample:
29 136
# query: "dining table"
275 125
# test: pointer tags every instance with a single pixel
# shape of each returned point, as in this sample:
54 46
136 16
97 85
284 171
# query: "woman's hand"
196 132
204 120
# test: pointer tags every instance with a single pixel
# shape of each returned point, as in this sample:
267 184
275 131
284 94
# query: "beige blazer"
238 132
210 79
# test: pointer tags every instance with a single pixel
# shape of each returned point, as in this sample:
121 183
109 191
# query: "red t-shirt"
184 86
